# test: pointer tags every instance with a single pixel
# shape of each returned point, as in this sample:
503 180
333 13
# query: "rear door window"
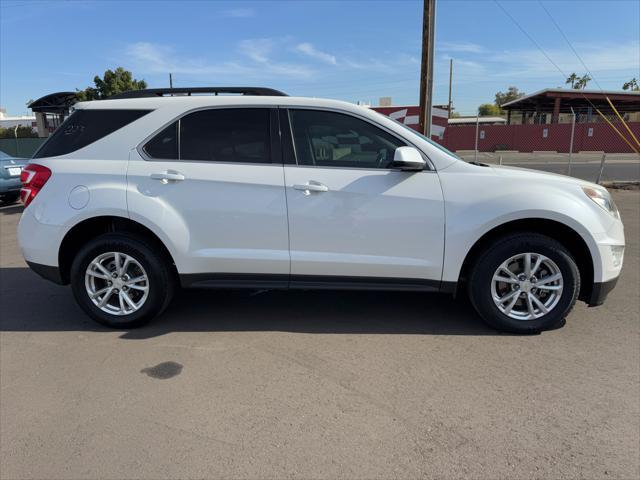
226 135
164 145
84 127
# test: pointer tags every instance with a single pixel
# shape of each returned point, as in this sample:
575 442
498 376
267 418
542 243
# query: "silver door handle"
311 186
168 176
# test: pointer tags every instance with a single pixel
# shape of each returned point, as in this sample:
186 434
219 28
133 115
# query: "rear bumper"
39 242
48 272
600 291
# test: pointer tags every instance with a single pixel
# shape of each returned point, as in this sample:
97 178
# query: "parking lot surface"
315 385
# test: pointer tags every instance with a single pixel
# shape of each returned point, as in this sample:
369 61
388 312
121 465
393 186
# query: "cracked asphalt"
315 385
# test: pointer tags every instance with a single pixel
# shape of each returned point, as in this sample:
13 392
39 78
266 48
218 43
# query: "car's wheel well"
88 229
568 237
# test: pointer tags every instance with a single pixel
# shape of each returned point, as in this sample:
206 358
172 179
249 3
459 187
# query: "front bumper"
608 259
48 272
600 290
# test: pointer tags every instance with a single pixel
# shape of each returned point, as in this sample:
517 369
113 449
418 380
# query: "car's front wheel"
524 283
120 281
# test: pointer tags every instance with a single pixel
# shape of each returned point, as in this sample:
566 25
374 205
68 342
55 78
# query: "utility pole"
426 70
450 84
170 80
475 156
573 129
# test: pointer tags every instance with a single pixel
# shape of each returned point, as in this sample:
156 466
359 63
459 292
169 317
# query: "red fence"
523 138
548 137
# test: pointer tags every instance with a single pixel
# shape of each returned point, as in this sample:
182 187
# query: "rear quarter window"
84 127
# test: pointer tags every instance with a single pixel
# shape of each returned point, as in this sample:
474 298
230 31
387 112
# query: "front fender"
493 201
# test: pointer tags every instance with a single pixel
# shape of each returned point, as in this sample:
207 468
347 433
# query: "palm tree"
632 85
582 82
572 79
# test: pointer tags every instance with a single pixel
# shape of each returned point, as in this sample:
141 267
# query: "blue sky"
351 50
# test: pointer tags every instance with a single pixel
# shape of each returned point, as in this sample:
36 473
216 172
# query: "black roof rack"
161 92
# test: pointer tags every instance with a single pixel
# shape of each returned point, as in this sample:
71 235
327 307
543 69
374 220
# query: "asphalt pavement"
315 385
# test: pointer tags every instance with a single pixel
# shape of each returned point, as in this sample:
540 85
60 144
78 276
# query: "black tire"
506 247
9 198
161 279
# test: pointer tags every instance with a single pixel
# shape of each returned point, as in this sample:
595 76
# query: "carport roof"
58 102
543 100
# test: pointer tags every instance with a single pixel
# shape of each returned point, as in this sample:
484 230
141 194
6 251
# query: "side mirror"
408 159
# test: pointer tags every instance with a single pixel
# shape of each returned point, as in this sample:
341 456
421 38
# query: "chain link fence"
20 147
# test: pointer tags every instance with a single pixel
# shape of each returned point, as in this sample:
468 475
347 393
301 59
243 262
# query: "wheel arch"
90 228
562 233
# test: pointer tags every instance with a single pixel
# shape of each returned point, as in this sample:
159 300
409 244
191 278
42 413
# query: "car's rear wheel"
121 282
524 283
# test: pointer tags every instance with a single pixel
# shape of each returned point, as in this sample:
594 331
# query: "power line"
530 38
569 43
564 74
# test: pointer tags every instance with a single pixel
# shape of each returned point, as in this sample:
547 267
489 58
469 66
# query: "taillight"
33 178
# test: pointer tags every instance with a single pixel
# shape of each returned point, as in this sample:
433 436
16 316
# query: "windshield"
435 144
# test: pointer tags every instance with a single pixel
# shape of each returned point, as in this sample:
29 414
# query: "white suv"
137 195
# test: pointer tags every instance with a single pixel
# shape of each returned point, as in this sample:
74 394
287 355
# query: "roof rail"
160 92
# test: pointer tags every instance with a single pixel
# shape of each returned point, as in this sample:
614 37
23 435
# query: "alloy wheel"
527 286
117 283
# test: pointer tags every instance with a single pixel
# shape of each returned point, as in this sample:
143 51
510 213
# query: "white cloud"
257 49
311 51
238 13
466 47
529 65
476 78
598 57
145 57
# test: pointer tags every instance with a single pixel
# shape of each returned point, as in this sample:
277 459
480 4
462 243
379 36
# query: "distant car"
10 169
136 195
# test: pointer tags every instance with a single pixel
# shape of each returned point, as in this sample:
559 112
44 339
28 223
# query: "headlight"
603 199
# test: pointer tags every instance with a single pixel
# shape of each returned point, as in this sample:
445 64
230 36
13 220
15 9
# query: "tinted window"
226 135
165 144
84 127
339 140
435 144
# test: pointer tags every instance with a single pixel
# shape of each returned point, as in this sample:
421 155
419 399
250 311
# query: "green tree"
512 93
582 82
489 110
112 82
21 132
572 79
631 85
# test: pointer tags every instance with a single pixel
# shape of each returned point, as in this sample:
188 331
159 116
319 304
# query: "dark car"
10 168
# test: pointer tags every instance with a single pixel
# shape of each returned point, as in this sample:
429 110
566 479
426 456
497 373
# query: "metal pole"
500 159
170 80
604 155
450 84
426 70
573 129
477 126
15 135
